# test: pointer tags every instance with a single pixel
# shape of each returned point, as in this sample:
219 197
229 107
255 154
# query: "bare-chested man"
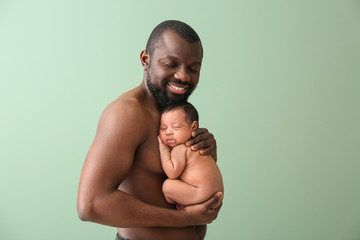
121 181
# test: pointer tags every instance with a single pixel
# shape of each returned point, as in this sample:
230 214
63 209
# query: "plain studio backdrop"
279 88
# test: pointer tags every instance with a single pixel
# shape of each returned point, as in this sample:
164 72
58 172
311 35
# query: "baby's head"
177 123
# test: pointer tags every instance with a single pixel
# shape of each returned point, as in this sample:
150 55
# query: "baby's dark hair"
189 110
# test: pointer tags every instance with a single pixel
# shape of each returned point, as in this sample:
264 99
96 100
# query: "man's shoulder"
125 111
126 106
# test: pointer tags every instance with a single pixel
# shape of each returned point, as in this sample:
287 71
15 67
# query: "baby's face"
174 128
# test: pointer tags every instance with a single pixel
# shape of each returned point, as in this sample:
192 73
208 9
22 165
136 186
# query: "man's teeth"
177 88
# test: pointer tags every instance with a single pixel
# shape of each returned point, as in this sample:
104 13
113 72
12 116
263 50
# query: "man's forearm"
120 209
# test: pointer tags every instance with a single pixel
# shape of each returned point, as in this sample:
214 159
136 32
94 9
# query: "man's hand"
203 140
206 212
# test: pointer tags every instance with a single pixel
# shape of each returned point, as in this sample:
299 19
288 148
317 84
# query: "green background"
279 89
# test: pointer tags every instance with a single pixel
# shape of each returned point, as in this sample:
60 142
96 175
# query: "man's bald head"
180 28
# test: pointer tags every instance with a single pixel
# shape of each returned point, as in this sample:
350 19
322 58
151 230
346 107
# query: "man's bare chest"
147 156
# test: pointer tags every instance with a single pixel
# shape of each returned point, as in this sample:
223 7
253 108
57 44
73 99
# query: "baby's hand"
163 147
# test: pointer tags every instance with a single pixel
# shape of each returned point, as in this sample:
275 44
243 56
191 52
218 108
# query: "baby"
192 178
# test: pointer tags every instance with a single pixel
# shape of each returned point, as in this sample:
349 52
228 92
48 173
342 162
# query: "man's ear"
144 59
194 125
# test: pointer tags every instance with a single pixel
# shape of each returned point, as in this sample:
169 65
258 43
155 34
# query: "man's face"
174 69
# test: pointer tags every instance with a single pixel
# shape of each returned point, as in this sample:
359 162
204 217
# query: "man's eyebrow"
176 59
172 57
169 57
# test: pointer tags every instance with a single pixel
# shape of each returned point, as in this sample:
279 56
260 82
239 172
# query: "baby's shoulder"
181 147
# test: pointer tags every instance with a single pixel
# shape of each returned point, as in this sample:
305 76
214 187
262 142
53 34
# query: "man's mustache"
167 81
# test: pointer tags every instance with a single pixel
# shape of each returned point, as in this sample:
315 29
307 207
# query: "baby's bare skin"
198 181
192 178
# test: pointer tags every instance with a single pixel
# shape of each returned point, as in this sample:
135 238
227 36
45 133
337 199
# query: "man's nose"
182 75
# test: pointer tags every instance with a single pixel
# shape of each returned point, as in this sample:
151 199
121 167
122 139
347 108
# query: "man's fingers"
207 151
204 141
201 145
206 212
199 131
214 202
198 138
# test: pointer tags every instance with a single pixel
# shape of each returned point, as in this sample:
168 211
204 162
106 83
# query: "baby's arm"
172 161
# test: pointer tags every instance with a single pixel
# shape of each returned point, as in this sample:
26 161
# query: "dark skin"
203 140
122 178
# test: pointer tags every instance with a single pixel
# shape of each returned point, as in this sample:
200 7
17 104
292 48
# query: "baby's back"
202 172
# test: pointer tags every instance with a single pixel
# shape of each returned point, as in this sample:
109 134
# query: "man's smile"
177 88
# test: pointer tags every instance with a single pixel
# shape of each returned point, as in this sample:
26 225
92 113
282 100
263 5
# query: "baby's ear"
194 125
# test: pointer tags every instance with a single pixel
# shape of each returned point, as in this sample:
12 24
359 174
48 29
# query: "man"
122 178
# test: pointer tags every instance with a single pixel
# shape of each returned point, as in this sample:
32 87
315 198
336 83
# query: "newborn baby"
192 178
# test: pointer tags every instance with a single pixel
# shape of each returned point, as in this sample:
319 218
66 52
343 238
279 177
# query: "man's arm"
172 161
107 164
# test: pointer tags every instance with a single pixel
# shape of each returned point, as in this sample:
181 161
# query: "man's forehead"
171 42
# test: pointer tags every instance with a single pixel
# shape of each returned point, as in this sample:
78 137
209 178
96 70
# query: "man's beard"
161 94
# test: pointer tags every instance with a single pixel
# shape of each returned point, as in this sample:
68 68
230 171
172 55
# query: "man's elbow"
85 210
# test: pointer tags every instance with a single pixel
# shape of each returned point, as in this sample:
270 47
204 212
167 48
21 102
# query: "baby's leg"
176 191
